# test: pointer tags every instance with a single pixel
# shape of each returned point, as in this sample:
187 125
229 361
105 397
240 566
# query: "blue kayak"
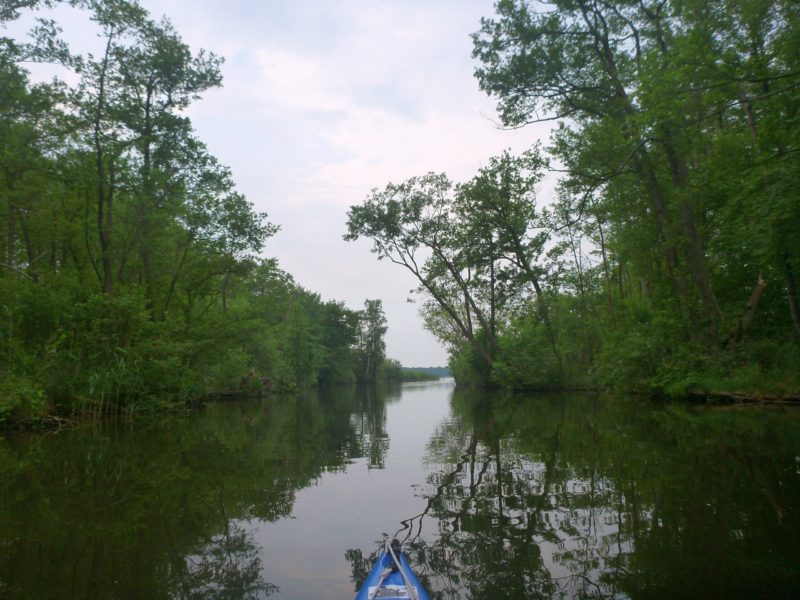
391 578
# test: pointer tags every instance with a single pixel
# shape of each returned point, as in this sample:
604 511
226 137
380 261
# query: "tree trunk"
456 321
747 107
467 296
694 246
791 293
644 288
541 303
659 205
174 281
86 241
467 333
10 234
10 222
225 291
146 203
606 273
576 256
746 320
699 269
492 294
105 222
103 197
28 249
643 165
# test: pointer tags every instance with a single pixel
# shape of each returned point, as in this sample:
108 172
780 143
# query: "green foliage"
416 375
468 367
760 368
339 336
642 352
129 277
20 398
524 359
371 351
390 370
668 259
473 248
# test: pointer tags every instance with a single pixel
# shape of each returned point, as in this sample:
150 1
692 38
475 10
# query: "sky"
325 100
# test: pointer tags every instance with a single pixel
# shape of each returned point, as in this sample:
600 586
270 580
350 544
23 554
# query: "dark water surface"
494 497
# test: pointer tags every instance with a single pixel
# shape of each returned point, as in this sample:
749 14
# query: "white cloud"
299 83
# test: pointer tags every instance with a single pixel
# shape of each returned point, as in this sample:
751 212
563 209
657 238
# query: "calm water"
493 496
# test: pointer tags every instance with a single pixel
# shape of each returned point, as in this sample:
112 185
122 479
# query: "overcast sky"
324 100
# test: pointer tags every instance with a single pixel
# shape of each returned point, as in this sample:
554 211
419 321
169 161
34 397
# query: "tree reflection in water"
168 508
227 566
580 498
520 497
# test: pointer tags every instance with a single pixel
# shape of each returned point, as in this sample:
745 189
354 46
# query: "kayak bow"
391 578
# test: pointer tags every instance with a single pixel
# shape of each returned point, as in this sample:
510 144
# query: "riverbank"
258 389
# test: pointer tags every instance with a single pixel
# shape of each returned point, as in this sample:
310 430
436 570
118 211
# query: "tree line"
132 274
666 259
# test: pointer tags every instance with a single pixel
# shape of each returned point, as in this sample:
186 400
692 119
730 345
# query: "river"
493 496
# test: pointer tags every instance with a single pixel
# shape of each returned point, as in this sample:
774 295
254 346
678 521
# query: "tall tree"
412 224
580 60
372 346
498 212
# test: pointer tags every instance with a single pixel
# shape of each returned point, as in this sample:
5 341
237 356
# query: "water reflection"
166 509
581 497
495 497
226 566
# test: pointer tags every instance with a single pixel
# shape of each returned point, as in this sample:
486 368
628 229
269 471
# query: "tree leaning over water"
668 258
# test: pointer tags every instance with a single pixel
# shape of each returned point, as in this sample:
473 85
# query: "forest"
666 259
132 272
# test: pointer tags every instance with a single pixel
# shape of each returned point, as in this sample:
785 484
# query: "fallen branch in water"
743 397
46 423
